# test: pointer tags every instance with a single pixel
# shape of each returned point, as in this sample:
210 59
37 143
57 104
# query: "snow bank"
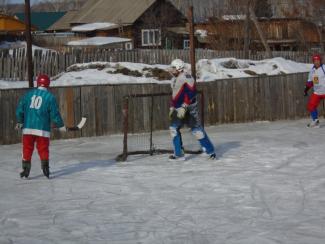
223 68
208 70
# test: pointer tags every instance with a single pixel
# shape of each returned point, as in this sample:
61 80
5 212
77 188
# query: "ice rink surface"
267 187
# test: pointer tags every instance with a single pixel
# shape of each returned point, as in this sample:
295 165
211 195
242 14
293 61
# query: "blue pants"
192 120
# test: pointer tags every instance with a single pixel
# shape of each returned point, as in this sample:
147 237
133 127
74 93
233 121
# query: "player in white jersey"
184 111
316 79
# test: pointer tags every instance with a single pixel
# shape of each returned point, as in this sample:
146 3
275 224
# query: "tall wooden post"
192 42
247 31
28 36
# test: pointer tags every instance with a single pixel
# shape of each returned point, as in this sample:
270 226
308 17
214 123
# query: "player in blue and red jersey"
184 111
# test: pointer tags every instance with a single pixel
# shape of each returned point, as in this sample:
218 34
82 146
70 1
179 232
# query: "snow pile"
223 68
207 70
110 73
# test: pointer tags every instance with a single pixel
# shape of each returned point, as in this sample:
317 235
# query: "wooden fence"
13 65
226 101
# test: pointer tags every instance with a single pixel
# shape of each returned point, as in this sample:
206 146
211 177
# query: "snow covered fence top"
137 73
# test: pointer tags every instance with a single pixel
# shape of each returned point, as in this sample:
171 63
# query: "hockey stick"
79 126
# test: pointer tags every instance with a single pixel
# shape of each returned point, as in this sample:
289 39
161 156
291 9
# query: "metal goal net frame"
152 149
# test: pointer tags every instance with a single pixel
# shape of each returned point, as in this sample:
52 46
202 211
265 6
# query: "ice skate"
26 169
45 168
213 156
173 158
314 124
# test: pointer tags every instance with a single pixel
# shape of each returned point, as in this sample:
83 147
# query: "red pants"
42 145
314 101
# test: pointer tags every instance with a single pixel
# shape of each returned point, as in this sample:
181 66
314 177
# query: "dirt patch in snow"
157 73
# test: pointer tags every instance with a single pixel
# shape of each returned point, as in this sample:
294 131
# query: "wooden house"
147 22
11 28
280 33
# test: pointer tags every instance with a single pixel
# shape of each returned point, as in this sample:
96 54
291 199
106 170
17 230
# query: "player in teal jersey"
35 112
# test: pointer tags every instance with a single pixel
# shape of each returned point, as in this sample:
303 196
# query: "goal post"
146 126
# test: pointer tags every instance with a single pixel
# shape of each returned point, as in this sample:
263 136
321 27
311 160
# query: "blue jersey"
36 110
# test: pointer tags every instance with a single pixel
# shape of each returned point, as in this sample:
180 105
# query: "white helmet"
178 64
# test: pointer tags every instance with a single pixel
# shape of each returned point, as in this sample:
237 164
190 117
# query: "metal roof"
114 11
63 23
42 20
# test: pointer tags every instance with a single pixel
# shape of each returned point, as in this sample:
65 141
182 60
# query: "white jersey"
317 77
184 90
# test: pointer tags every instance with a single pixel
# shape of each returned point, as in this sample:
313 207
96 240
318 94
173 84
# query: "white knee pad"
173 132
198 134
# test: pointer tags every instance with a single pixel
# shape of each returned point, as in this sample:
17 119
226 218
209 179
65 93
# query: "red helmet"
43 80
317 57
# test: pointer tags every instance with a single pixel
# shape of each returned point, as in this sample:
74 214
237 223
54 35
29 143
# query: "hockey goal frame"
152 151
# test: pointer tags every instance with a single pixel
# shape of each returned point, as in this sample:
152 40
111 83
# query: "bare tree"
58 5
3 6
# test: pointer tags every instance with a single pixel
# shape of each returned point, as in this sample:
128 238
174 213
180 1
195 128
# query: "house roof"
114 11
42 20
63 24
11 24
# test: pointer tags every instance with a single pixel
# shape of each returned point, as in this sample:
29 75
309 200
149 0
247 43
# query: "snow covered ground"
267 187
208 70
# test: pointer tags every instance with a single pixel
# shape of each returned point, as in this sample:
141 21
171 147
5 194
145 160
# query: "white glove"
19 126
181 111
63 129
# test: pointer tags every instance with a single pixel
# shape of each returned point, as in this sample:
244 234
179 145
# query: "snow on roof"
98 41
94 26
234 17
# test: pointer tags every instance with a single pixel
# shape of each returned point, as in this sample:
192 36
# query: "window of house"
186 44
151 37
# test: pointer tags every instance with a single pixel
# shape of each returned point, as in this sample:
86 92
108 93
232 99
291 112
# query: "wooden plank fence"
13 65
226 101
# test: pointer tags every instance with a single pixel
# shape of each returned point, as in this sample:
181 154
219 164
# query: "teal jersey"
36 110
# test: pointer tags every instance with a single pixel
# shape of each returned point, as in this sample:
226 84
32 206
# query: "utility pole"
29 44
247 31
192 42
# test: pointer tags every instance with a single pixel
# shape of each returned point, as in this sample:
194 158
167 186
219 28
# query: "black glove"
306 91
